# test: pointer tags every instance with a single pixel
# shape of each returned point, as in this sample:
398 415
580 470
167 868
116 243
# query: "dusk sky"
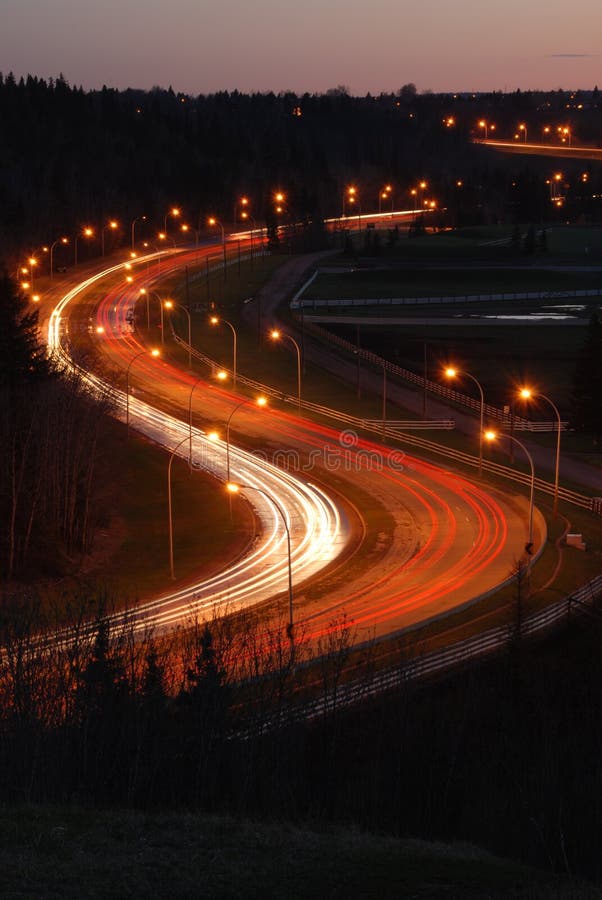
199 47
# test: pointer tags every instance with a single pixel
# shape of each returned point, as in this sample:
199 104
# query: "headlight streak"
318 531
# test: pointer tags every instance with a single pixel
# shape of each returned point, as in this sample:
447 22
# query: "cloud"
569 55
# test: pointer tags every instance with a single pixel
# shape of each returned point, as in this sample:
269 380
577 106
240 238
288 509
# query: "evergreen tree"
22 359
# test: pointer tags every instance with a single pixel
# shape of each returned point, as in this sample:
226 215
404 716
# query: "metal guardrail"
323 302
393 430
436 662
517 422
460 653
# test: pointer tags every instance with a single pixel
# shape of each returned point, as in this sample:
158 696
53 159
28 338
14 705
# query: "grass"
131 550
428 282
73 852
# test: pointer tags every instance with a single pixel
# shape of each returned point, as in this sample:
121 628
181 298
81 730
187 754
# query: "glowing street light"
527 394
276 336
234 488
242 203
260 402
171 304
169 512
491 436
113 225
86 233
153 352
174 212
147 293
451 372
61 240
522 127
217 320
132 228
385 193
350 196
32 263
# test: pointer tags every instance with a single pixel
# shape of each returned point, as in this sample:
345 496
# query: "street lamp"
138 219
243 202
522 127
153 352
349 197
385 194
259 401
192 390
112 225
32 263
216 320
174 212
528 394
184 228
247 216
171 304
234 488
213 222
169 515
87 233
62 240
492 436
451 372
163 236
276 335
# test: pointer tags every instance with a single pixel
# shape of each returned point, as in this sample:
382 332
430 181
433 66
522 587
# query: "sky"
199 47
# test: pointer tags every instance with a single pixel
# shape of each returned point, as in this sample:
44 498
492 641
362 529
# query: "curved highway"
449 540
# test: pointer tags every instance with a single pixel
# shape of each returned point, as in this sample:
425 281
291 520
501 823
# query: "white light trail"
317 528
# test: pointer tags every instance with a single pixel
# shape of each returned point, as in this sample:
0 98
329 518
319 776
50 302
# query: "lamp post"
349 196
112 225
522 127
247 216
385 194
259 401
169 515
145 292
192 390
86 232
32 263
216 320
451 372
163 236
243 202
174 212
62 240
527 394
213 222
184 228
153 352
276 335
234 488
492 436
138 219
171 304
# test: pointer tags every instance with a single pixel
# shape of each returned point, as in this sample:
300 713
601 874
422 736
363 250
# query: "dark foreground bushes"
508 755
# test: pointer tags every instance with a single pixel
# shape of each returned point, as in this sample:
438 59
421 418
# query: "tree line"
71 157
